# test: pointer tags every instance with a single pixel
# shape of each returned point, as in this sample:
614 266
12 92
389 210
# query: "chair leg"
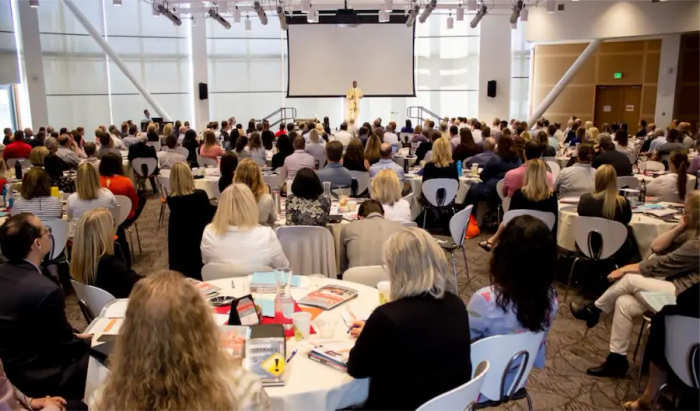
639 340
658 395
529 400
641 367
131 246
568 282
466 263
138 238
454 271
425 214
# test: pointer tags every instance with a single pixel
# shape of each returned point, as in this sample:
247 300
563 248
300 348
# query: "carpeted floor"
561 385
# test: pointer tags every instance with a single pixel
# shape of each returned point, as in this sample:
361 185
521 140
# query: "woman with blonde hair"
169 356
373 149
526 135
167 130
440 164
190 212
593 134
250 174
37 156
257 151
93 260
88 195
423 302
587 125
386 188
152 132
234 236
210 148
314 145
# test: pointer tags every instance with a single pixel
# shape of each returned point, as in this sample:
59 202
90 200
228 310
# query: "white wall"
668 72
494 64
585 20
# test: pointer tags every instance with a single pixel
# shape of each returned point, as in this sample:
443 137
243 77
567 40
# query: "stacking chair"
206 161
629 182
439 193
23 161
369 275
144 169
215 271
154 144
545 217
458 231
654 166
320 160
505 201
610 235
554 169
506 353
164 183
91 299
462 398
184 151
310 250
59 240
362 178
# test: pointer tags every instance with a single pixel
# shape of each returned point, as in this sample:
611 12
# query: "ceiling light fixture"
460 13
312 16
214 14
33 3
551 6
428 9
388 5
479 15
236 15
450 22
117 3
261 13
412 15
523 14
472 5
248 24
172 15
517 8
305 6
282 17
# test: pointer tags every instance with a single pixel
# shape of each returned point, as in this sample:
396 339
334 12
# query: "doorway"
617 104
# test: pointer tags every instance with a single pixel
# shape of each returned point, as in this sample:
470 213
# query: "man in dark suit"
41 354
609 155
142 150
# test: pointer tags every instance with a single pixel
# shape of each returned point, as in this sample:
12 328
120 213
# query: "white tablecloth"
210 182
309 385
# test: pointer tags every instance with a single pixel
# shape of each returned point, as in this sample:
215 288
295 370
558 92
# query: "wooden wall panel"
552 68
622 47
653 45
572 99
631 67
648 102
559 49
651 71
687 103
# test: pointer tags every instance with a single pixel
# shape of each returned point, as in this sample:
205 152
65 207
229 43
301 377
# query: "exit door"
617 104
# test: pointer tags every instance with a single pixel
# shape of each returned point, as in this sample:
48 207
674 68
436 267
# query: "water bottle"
643 192
284 303
405 165
459 169
18 170
277 199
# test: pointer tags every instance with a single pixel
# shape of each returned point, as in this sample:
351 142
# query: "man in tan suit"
362 241
353 96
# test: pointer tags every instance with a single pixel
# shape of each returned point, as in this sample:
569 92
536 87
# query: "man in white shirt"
558 134
70 159
343 136
181 137
551 135
132 139
390 137
454 137
146 116
578 179
476 130
169 157
385 162
297 160
657 142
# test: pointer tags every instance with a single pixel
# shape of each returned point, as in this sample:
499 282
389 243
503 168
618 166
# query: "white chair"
310 250
144 168
206 161
369 275
612 235
505 201
458 231
125 205
23 161
273 180
554 169
154 144
462 398
507 353
216 271
405 138
653 166
184 151
59 236
92 299
320 160
362 178
439 192
629 182
545 217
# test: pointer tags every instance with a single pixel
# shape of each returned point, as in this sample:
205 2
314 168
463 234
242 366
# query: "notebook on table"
329 296
333 354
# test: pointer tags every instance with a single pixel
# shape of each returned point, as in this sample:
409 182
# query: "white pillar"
495 57
570 73
117 60
34 111
666 87
199 73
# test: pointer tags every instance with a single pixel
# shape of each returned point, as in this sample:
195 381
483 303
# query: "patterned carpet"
561 385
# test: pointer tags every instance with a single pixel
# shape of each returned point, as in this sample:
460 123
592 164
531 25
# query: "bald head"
385 150
183 129
489 144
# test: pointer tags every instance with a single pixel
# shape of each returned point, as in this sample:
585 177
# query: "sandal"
641 405
486 245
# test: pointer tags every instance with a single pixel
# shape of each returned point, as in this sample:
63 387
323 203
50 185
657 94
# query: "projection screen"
324 60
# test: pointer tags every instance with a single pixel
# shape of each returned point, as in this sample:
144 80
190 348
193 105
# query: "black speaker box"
491 89
203 91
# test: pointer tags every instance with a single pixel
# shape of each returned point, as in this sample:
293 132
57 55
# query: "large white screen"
325 59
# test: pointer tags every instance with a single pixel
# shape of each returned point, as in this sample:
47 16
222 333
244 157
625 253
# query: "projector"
346 18
169 14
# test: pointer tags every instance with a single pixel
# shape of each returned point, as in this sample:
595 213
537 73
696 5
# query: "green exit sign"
618 75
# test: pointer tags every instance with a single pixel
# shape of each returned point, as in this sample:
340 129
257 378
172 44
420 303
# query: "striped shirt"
46 208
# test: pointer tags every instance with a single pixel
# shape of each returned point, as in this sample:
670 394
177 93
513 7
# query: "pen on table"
291 356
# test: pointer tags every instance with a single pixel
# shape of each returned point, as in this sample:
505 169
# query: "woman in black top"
467 147
190 212
53 165
547 150
354 158
231 143
423 319
284 149
191 144
227 167
93 258
268 137
440 164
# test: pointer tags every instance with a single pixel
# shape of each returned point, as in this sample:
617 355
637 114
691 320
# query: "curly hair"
168 355
523 266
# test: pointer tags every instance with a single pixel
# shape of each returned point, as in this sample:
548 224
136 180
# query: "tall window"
520 74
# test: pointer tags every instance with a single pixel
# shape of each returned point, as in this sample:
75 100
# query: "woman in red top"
112 178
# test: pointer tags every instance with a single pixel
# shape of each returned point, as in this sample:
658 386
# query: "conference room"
357 204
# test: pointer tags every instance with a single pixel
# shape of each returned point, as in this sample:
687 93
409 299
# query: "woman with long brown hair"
674 185
210 148
354 157
249 173
169 356
466 147
374 144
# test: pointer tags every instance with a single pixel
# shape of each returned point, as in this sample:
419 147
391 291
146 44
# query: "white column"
495 57
559 87
666 87
33 108
199 73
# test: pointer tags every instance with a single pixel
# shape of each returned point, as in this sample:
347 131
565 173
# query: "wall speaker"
491 88
203 91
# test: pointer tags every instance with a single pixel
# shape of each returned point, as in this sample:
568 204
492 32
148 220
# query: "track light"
305 6
161 8
472 5
428 9
312 16
236 15
33 3
450 23
383 16
282 17
117 3
214 14
412 15
388 5
523 14
248 24
460 13
517 8
194 22
479 15
551 6
261 13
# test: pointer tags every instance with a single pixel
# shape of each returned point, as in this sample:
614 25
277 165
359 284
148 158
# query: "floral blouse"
301 211
65 184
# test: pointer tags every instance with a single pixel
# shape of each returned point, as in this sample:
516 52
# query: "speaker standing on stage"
353 96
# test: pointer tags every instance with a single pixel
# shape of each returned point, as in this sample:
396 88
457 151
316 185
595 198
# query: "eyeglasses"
47 230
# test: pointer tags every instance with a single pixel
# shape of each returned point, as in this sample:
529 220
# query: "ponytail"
680 162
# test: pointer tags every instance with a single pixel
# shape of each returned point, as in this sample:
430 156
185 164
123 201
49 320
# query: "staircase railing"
421 113
285 113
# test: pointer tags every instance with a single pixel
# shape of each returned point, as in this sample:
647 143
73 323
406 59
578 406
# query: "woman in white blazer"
234 236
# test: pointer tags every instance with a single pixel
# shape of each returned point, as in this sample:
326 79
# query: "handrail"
286 113
420 111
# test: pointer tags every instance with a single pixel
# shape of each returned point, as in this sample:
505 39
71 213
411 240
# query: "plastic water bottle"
18 170
643 192
405 165
284 303
459 169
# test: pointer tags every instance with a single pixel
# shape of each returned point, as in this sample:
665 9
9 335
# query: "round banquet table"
309 385
210 182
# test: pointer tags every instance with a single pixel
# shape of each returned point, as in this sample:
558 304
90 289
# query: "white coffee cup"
384 288
302 325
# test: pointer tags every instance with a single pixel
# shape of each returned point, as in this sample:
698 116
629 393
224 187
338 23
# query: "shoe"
588 313
614 366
